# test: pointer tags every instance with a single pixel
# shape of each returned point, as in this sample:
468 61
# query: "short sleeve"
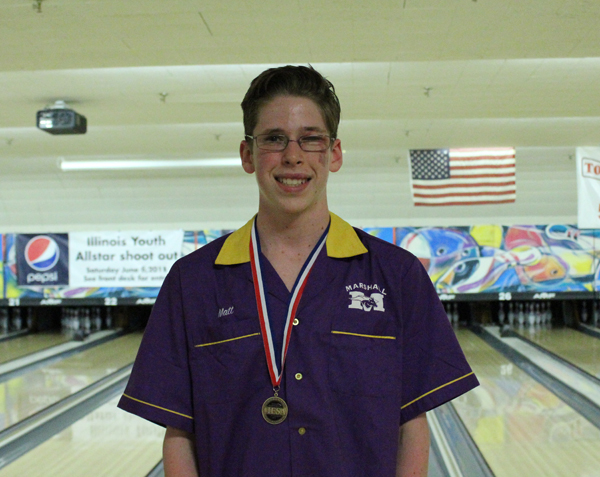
159 388
434 368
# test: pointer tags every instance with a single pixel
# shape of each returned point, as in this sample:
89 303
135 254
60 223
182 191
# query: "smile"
291 182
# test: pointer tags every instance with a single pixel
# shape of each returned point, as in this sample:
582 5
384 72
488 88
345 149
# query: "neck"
288 241
300 232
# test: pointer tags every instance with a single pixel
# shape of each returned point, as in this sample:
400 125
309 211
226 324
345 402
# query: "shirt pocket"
229 363
364 358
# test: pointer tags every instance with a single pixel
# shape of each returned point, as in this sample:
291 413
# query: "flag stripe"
475 198
466 194
467 180
501 185
482 202
458 167
482 158
491 176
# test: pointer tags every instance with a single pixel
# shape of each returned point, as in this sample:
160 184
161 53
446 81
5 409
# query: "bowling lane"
19 347
107 442
520 427
571 345
28 393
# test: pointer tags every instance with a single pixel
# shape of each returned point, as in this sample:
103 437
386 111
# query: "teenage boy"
298 345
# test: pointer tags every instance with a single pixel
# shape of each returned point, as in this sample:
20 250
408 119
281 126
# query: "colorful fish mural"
475 259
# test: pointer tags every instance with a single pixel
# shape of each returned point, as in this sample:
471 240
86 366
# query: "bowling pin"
87 324
71 322
511 314
108 319
17 322
76 322
97 319
530 315
29 320
454 314
501 316
521 315
3 321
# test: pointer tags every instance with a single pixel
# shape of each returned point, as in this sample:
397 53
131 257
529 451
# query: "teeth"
292 182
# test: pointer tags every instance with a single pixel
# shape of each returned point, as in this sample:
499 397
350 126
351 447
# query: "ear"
335 163
247 158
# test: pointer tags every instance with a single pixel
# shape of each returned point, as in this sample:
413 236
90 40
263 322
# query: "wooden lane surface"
31 343
571 345
106 443
25 395
521 428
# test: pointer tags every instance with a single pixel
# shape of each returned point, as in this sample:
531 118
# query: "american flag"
463 176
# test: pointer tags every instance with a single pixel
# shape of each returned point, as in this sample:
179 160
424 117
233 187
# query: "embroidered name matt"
225 311
360 300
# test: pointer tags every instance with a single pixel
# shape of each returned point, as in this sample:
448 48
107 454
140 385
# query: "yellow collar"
342 242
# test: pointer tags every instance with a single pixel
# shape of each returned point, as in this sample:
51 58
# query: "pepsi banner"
42 260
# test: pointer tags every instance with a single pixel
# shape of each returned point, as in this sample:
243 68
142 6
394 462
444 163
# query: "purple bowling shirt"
371 349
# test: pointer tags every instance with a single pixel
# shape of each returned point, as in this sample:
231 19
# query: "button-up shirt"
371 348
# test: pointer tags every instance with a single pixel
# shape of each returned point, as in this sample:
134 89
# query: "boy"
357 346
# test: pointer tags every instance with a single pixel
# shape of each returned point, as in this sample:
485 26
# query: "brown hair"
289 80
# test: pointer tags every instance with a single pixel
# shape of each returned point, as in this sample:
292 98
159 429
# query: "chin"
300 207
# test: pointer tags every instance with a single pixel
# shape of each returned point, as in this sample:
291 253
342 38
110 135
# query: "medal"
275 409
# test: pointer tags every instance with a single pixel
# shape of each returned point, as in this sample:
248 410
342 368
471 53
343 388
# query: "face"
291 181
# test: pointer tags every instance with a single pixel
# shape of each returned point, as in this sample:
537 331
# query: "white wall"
377 194
380 196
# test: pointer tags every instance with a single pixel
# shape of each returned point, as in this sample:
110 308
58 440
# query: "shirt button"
298 376
302 431
296 321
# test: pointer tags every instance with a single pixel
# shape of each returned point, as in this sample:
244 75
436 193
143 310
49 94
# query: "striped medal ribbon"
274 409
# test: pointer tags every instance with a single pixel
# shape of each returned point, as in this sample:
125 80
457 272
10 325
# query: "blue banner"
42 259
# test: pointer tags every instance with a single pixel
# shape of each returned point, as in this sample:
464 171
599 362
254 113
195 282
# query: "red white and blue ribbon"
275 372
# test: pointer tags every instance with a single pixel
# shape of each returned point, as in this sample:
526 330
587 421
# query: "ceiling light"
132 164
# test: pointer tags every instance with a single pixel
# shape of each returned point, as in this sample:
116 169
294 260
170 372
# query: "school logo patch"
366 297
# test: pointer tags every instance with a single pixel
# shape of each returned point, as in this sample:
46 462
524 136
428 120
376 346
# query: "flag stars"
430 164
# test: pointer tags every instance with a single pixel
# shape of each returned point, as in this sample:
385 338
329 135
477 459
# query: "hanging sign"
122 259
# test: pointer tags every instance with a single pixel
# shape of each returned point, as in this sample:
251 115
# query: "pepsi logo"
42 253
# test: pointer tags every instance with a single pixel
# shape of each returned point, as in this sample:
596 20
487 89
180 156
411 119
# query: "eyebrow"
305 129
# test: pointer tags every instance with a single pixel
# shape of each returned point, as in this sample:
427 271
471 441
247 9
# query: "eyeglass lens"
278 142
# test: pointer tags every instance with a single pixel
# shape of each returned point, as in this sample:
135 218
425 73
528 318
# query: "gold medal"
275 410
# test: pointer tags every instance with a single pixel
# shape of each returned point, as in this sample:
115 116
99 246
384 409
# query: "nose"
292 154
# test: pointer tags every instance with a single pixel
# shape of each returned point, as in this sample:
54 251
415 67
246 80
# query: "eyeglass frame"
288 140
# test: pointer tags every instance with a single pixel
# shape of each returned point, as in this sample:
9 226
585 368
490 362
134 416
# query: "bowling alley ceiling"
164 78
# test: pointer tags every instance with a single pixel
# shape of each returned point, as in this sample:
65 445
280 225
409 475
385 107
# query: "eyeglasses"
278 142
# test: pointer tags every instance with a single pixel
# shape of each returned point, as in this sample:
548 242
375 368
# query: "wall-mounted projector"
58 119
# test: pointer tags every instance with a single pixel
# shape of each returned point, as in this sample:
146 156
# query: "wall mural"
494 258
475 259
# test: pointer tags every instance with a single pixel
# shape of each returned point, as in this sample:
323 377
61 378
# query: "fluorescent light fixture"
132 164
